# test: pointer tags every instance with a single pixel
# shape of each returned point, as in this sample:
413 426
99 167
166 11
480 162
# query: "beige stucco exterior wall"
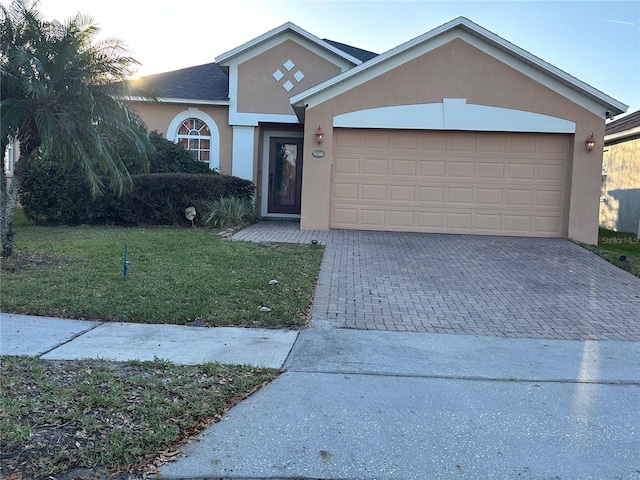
458 70
158 116
620 200
260 92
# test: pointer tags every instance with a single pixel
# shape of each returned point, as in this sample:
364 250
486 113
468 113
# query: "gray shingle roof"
202 82
360 54
625 123
210 81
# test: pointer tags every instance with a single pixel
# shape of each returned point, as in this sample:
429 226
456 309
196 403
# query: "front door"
285 175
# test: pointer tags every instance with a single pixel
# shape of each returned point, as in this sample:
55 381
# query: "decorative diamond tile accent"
287 86
279 75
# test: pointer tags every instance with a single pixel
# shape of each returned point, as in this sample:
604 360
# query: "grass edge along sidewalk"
619 248
97 418
176 275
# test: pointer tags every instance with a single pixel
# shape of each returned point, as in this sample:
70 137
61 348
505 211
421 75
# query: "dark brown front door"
285 175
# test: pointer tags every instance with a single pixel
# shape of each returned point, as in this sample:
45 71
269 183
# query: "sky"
597 42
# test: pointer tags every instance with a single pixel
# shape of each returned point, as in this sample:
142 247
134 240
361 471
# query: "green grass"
613 245
181 276
96 415
21 219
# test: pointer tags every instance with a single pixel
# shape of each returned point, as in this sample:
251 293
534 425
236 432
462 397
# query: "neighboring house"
9 159
455 131
11 154
620 200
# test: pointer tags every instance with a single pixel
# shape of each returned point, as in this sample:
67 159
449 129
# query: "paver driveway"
479 285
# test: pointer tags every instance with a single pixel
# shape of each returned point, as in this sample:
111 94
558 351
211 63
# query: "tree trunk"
8 204
9 195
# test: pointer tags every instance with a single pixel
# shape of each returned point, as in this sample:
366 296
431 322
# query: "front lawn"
621 249
98 419
176 275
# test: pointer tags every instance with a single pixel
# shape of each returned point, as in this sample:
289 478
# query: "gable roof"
287 27
631 121
207 82
624 128
613 106
210 82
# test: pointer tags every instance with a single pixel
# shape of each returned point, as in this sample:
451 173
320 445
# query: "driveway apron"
383 404
465 284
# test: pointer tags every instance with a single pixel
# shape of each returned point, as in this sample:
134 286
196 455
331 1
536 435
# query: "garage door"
450 182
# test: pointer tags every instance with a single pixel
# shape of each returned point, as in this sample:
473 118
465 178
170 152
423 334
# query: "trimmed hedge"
50 196
160 199
176 181
156 199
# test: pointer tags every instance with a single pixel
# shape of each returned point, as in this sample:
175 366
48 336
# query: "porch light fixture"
590 142
319 135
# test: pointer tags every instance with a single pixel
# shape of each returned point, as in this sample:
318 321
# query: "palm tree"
63 98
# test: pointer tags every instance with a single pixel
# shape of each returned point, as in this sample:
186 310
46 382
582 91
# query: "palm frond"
65 92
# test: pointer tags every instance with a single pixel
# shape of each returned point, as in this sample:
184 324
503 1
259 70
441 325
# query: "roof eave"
632 132
227 56
613 106
178 100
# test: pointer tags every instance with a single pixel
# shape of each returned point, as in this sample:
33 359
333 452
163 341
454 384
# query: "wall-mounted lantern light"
590 143
319 135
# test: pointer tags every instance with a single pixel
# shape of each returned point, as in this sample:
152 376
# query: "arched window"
194 135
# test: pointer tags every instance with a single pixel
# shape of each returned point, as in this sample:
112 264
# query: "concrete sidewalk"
62 339
387 405
390 405
470 402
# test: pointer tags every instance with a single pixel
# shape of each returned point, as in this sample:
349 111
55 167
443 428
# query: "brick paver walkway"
478 285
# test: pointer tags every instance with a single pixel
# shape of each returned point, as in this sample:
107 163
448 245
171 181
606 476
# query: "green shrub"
161 198
229 212
53 196
167 157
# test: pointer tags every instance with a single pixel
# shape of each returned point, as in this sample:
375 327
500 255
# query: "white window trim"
188 137
172 132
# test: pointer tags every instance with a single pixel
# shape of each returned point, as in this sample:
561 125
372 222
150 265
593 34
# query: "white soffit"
190 101
492 44
186 101
227 56
272 42
454 114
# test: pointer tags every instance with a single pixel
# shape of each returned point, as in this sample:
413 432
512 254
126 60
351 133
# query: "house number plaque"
317 153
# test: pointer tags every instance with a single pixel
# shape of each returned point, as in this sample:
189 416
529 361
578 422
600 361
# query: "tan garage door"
450 182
